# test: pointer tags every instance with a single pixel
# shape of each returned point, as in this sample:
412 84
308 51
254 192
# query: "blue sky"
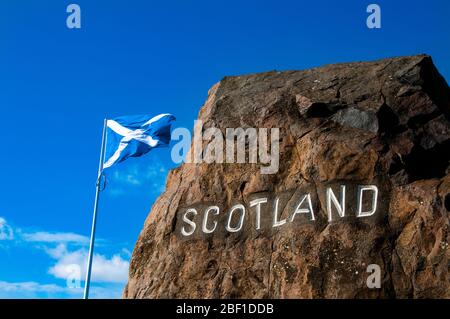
139 57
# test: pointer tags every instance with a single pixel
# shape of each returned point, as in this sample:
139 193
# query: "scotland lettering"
265 212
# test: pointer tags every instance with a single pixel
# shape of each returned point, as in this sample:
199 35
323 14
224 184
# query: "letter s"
189 222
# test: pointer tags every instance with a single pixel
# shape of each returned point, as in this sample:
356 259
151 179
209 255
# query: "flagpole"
94 216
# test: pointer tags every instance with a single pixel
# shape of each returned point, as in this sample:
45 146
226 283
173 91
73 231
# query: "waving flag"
133 136
124 137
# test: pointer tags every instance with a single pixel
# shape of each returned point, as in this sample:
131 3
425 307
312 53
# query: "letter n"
339 205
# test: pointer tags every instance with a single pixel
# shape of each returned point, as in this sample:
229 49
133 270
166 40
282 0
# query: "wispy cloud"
32 289
129 177
6 231
49 237
29 286
137 175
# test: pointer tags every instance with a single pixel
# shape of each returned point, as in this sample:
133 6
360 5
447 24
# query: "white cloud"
6 231
68 252
48 237
112 270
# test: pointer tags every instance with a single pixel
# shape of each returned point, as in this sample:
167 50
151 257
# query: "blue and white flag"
133 136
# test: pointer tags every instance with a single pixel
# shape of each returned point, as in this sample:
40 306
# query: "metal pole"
94 217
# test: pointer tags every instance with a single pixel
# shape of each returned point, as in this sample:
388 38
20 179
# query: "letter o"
241 220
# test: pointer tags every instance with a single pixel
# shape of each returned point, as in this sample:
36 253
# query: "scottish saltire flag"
133 136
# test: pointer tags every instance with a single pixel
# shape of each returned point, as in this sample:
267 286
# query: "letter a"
74 19
374 279
299 210
374 19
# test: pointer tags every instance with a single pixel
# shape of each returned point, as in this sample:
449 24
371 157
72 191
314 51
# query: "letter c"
205 220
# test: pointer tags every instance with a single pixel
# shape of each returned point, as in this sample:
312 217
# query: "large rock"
384 123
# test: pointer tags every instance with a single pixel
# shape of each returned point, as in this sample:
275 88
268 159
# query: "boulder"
384 123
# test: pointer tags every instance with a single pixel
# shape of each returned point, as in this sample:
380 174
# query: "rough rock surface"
384 122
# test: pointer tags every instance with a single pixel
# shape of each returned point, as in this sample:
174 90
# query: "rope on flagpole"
99 181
